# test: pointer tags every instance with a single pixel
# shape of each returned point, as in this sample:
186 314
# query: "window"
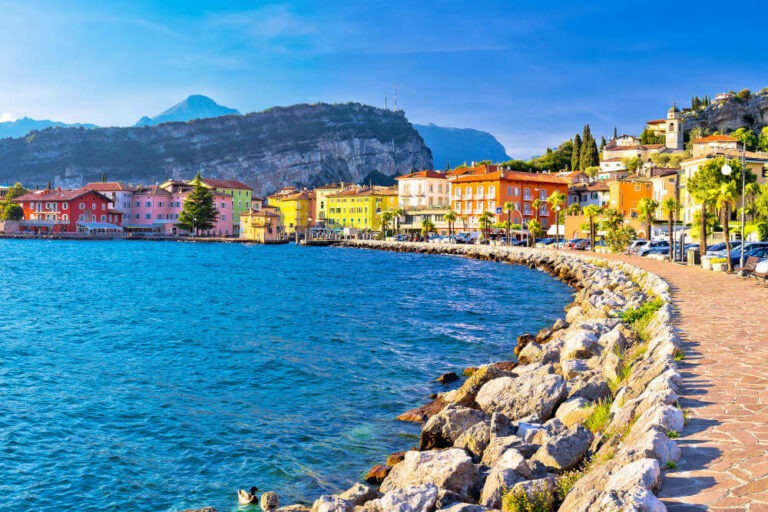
159 216
64 206
138 204
480 191
492 191
542 194
527 193
136 216
160 204
223 217
81 217
93 206
82 206
638 188
148 216
149 204
103 218
65 217
103 206
509 191
458 192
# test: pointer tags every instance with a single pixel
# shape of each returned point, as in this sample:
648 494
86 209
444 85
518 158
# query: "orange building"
473 194
627 192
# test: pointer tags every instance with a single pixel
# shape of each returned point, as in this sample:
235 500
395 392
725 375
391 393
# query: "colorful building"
156 209
119 193
473 194
360 207
262 226
707 150
294 208
423 189
67 211
626 192
321 202
241 195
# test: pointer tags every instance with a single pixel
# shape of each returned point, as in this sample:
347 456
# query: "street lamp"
727 170
309 230
557 226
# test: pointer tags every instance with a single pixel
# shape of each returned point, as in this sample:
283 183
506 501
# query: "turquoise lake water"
152 376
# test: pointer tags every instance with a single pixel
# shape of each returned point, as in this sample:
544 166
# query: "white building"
120 194
423 189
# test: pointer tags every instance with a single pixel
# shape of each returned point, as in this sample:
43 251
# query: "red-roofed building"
706 145
474 194
423 189
63 211
118 192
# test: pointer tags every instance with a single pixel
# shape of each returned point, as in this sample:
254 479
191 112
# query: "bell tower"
674 136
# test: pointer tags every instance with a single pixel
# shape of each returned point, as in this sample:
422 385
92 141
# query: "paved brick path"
724 324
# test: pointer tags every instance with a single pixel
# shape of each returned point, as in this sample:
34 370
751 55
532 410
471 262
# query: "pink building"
156 209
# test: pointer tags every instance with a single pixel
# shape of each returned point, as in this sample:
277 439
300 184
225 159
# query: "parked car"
636 246
655 244
545 242
579 244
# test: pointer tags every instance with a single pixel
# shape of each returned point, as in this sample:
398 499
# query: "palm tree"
396 214
509 206
426 228
536 205
671 206
386 218
751 191
556 200
450 218
646 207
485 220
591 211
574 209
534 227
726 198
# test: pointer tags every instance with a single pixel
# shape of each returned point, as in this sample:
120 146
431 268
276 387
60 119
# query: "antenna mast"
395 97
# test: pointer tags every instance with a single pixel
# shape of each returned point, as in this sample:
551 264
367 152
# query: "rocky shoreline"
585 421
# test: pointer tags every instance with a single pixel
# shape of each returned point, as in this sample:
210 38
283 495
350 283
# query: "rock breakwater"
584 422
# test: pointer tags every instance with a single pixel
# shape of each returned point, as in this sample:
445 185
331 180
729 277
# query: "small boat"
247 498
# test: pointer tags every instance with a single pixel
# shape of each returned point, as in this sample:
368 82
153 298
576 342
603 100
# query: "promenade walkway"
724 324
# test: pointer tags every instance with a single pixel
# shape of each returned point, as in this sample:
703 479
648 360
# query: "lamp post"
557 227
727 170
309 231
194 226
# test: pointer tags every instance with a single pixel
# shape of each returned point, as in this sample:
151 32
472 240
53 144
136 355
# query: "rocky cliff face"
733 114
304 145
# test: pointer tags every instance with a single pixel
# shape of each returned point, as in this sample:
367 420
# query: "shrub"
600 416
762 231
541 500
632 316
565 483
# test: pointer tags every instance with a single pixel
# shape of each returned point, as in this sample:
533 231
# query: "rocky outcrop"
304 145
523 427
734 113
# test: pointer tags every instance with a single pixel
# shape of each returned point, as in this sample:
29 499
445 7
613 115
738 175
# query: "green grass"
671 464
600 416
679 356
639 318
673 434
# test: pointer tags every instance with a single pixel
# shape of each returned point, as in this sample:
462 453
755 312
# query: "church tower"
674 140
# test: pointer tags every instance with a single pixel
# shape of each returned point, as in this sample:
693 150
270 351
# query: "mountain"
456 146
23 126
194 107
302 145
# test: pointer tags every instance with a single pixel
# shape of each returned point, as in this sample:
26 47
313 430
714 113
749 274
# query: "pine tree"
575 155
199 211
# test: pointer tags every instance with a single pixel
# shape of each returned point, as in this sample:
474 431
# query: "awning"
104 227
553 230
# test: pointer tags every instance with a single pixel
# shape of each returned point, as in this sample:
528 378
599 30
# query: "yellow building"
293 206
360 207
321 201
262 226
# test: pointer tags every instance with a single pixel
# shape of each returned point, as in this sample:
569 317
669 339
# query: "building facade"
360 207
474 194
294 208
262 226
423 189
65 211
240 193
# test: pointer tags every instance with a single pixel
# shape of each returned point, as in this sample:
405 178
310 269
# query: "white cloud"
6 117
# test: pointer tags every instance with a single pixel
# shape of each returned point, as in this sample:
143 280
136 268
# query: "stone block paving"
723 321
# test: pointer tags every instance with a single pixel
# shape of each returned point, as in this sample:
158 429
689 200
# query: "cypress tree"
199 211
588 155
575 155
615 133
602 143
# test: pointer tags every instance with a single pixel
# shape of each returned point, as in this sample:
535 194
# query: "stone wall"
529 429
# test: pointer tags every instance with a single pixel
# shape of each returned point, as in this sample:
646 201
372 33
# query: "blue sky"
531 73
